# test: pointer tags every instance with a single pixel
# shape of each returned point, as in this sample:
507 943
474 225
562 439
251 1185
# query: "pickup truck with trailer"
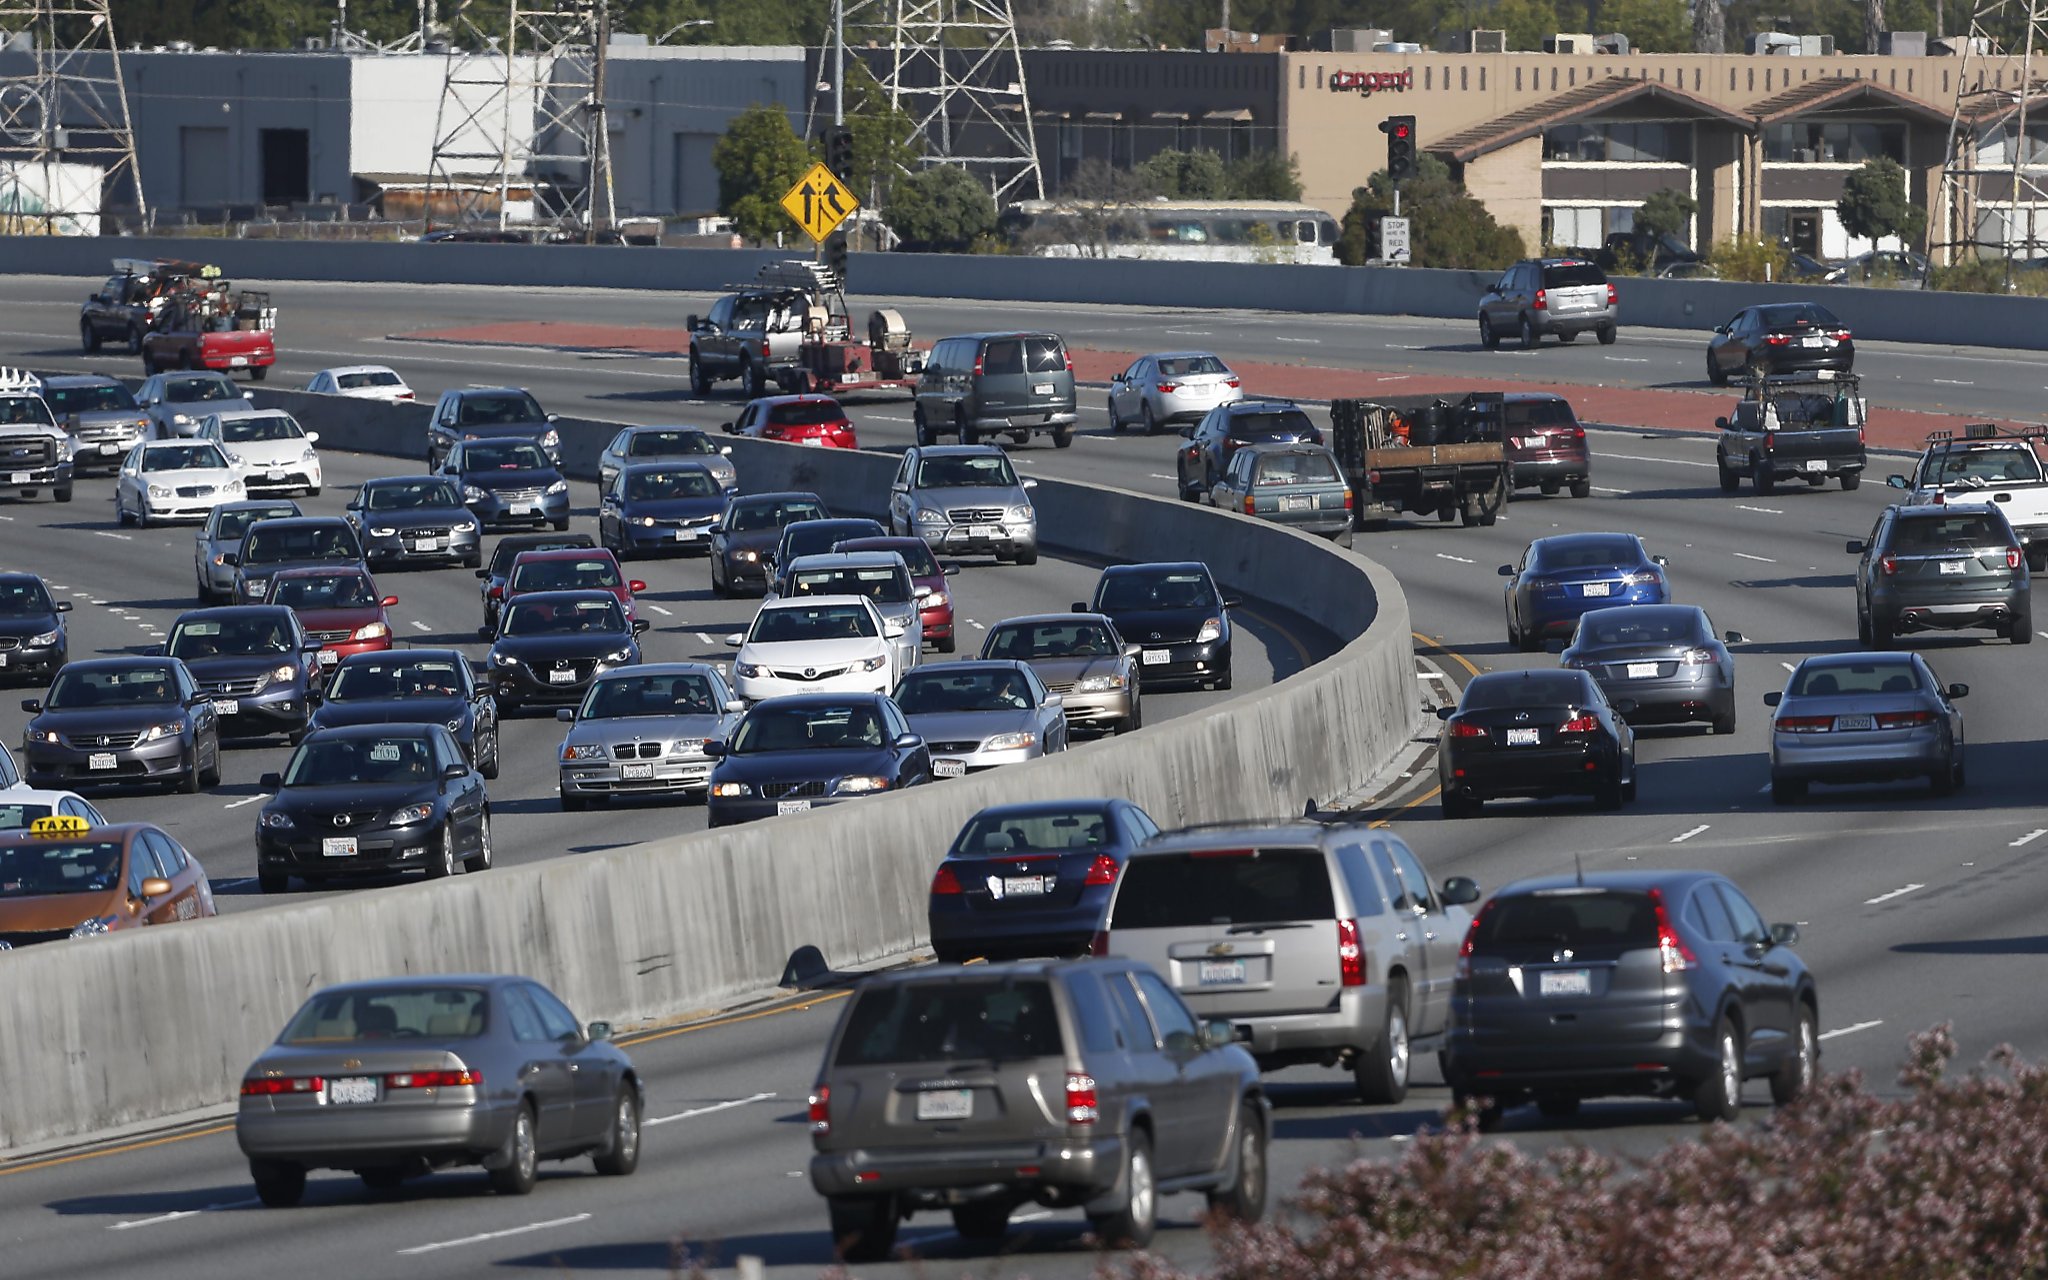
35 453
1991 464
1437 458
791 328
205 323
1794 426
124 308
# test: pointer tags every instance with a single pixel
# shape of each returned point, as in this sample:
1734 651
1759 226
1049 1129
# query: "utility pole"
839 61
600 134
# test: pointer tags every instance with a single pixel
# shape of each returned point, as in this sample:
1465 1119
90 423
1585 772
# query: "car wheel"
1528 642
1151 422
481 859
190 781
863 1227
1607 334
210 776
1557 1106
1136 720
1718 1098
441 859
1028 557
1447 513
1851 481
1456 806
700 381
946 645
1244 1200
622 1152
278 1185
272 881
1582 488
1881 633
1731 481
122 516
1725 724
982 1221
1529 338
961 431
1487 337
1381 1071
1863 630
518 1161
923 428
1116 424
487 762
88 337
135 341
1797 1075
572 803
384 1178
1761 481
1608 793
753 378
1062 438
561 525
1716 375
1787 790
2023 628
1131 1227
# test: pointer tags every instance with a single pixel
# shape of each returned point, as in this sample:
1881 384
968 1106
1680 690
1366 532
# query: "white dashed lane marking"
1896 893
495 1235
1851 1029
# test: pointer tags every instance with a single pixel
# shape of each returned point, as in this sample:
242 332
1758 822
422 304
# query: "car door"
1873 550
175 865
126 485
1724 345
1155 1077
591 1070
1949 709
1765 977
1127 391
902 518
1196 1108
610 460
440 431
610 524
466 794
1443 934
543 1070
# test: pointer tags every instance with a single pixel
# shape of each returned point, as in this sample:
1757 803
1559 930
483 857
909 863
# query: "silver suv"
1320 944
1538 297
1066 1083
964 499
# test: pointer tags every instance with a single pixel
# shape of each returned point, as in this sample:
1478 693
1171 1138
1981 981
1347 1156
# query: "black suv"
1660 983
1941 568
1228 428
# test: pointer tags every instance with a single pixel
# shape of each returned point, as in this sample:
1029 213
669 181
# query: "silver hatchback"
1865 717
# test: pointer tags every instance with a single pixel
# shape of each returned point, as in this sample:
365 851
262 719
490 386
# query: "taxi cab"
67 878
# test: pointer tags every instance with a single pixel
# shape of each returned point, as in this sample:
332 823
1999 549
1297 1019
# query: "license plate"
110 448
945 1104
352 1089
1593 589
1291 503
1855 722
984 531
523 509
236 362
425 544
636 772
949 768
1041 388
17 477
1524 737
329 657
1026 886
1642 670
338 847
783 807
1817 464
1809 342
1155 657
849 377
227 706
686 535
1216 973
101 760
275 473
1954 567
1569 982
816 441
3 659
561 677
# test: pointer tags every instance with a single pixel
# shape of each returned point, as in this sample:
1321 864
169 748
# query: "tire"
488 765
259 372
1244 1200
1557 1106
1881 634
122 516
572 803
2023 628
278 1185
210 776
1761 481
520 1157
922 428
135 341
1582 488
946 645
1725 725
1527 643
190 781
1942 782
561 525
1815 482
481 859
272 881
1787 790
1731 481
622 1154
61 493
442 864
700 381
1151 423
88 337
1718 1098
1459 807
1447 513
1529 338
1136 720
1063 438
964 433
1116 424
1131 1227
1028 557
1800 1070
1381 1072
753 378
382 1179
1862 630
982 1221
1716 375
863 1227
1487 337
1607 334
1608 794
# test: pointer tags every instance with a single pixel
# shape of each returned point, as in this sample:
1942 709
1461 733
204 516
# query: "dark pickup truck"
1806 426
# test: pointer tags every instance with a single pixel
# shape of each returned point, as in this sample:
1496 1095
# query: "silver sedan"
1171 386
977 715
1865 717
641 730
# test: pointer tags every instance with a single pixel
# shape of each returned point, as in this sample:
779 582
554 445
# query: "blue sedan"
808 750
1562 577
660 508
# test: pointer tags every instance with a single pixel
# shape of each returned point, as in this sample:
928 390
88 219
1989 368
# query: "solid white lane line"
236 804
1157 476
1788 666
417 625
495 1235
1681 839
1953 382
705 1111
1598 489
889 417
2029 838
1851 1029
1311 341
1896 893
663 612
1443 555
1627 359
183 1213
1744 555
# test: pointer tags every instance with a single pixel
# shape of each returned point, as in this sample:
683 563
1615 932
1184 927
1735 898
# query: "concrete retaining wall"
164 1021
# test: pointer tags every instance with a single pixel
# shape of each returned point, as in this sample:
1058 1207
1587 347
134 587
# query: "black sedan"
743 541
1176 614
1664 658
114 721
426 686
254 661
808 750
1777 338
371 799
495 574
552 643
1534 733
33 641
660 508
415 520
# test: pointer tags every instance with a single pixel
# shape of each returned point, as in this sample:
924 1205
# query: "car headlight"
257 587
936 600
1212 629
180 418
618 655
927 516
583 751
748 670
233 486
470 493
645 522
370 631
158 732
309 456
687 747
1010 741
559 486
384 531
159 491
42 641
275 820
551 440
412 813
283 672
45 736
730 789
1024 514
93 928
1098 684
859 785
455 725
875 663
748 556
503 660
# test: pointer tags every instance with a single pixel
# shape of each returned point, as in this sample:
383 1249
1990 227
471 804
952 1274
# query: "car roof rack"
1983 432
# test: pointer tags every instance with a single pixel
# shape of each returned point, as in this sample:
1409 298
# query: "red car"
575 569
816 420
935 603
339 607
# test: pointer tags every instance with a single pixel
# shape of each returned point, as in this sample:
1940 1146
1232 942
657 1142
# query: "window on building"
1619 142
1833 142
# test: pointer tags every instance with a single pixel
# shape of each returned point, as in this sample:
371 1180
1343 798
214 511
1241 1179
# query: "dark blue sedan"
508 482
1024 880
807 750
1562 577
659 509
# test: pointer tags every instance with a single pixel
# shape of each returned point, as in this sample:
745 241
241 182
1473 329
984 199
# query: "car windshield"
184 457
751 517
503 455
565 575
1833 679
811 622
1594 923
1585 553
411 495
805 413
23 598
1130 592
1640 626
323 591
1270 424
683 694
661 444
1297 468
670 483
383 678
16 815
813 726
229 526
299 542
390 1013
360 761
119 687
1224 886
33 867
937 690
498 408
563 618
1792 315
367 378
988 1020
89 399
1187 366
1917 534
972 471
24 408
187 390
1986 465
259 427
1522 689
884 585
233 636
997 833
1051 640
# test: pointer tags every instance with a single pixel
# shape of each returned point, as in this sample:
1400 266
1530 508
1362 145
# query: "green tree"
1666 213
759 158
1874 203
1264 175
1184 175
942 209
1652 26
1448 228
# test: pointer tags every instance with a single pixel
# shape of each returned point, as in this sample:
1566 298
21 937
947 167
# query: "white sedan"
20 806
362 382
815 644
175 480
271 450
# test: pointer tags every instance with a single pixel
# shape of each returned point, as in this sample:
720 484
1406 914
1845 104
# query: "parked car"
642 731
121 721
1217 437
508 549
978 715
799 419
1865 717
178 402
34 642
102 416
1081 657
415 520
339 607
272 546
928 578
1546 446
552 644
220 537
659 508
1172 386
416 686
964 499
1297 485
1544 297
164 480
505 414
1563 576
743 541
821 644
1032 879
1663 658
362 382
1176 615
67 876
1534 733
1779 337
1019 384
1949 567
508 482
255 662
274 454
806 751
635 445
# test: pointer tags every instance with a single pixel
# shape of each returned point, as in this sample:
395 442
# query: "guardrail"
138 1026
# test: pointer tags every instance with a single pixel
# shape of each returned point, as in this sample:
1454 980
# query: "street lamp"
691 22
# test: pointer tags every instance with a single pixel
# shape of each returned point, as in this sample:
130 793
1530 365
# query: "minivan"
995 383
1540 297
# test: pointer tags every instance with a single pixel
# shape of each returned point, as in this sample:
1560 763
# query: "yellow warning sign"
819 202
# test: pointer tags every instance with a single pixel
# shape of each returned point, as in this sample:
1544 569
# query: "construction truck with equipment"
790 328
1435 458
1987 463
1791 427
204 322
35 453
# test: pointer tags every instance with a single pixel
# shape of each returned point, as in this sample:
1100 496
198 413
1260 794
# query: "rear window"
805 413
1590 923
1939 533
1270 424
1791 314
1045 355
1537 688
655 444
1821 681
924 1022
1298 468
995 835
1566 275
1248 886
1586 553
398 1013
1539 413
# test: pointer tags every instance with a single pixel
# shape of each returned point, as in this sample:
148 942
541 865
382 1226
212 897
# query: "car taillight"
1889 564
1168 388
977 366
2013 557
945 882
1350 955
1099 944
1610 295
1347 499
1578 433
1677 956
1081 1101
1839 335
1699 657
1372 478
1471 936
1859 435
271 1086
497 593
1903 719
1231 382
1541 302
1101 871
1776 340
1804 724
821 1109
1580 724
462 1079
1770 441
1460 729
1251 504
1069 359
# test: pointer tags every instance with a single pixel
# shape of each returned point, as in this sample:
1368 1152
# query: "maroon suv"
1546 446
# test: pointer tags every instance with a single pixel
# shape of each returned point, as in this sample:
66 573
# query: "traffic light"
835 254
839 152
1400 131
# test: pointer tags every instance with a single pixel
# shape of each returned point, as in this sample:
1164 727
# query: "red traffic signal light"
1400 131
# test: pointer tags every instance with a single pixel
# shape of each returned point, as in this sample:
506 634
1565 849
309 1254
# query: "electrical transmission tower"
954 67
67 147
2007 197
522 118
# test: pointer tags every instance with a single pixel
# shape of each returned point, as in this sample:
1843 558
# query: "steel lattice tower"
68 111
954 66
2012 189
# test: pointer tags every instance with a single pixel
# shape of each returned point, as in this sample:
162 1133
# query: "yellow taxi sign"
64 824
819 202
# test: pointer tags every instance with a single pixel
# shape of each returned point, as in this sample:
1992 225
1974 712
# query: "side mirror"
1720 328
1218 1032
715 748
1446 712
1721 423
598 1031
950 570
893 627
735 705
636 586
1187 433
1734 637
554 417
735 640
454 771
1896 482
270 781
1459 891
1785 935
567 715
908 742
63 606
1506 571
388 601
231 558
155 887
713 529
31 705
1055 699
1554 645
690 321
727 427
1854 546
641 626
1133 650
1079 606
1659 560
311 646
483 573
1232 602
1029 483
1959 691
1773 698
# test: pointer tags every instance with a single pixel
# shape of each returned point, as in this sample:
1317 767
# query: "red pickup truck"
227 350
205 324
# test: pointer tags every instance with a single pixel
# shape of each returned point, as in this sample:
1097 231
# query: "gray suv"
963 499
1541 297
1321 945
995 383
1942 568
1066 1083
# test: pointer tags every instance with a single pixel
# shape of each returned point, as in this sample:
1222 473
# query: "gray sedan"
1169 387
667 444
641 731
1865 717
178 402
977 715
1663 659
1081 657
415 519
396 1078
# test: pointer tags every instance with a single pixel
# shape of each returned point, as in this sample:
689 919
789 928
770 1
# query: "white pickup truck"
1987 464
